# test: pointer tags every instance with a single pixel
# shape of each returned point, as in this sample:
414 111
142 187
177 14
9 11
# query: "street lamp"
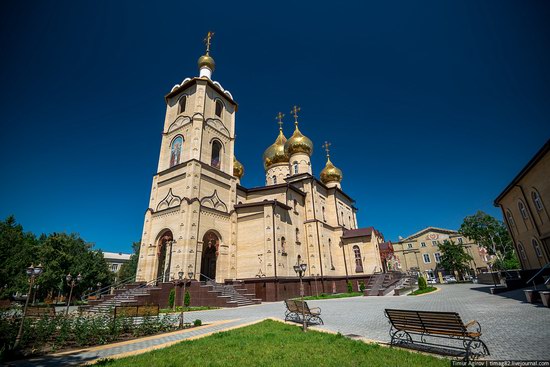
33 272
184 281
300 269
72 282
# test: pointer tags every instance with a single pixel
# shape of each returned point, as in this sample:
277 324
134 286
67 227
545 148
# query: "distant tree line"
59 254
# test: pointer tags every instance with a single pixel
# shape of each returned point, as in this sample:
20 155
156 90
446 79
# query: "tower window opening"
324 217
219 108
295 167
216 150
274 178
521 251
358 260
537 200
536 246
182 103
510 218
522 209
297 236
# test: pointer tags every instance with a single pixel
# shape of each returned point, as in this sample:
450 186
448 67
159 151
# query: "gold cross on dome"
208 41
294 112
326 146
279 117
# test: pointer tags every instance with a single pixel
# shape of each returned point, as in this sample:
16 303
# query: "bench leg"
475 348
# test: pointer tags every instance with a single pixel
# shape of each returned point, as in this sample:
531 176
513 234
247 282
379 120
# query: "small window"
434 243
297 236
426 258
522 210
460 240
114 267
175 150
358 260
510 218
422 244
521 251
283 243
410 245
295 167
349 221
182 103
295 202
537 200
323 210
536 246
219 108
437 257
274 179
216 152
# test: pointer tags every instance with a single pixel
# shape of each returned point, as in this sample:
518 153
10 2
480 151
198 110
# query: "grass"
329 296
422 291
272 343
178 309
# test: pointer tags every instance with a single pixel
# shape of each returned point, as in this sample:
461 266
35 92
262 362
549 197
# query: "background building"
115 260
524 204
420 252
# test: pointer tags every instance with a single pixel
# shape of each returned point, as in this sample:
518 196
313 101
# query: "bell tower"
195 178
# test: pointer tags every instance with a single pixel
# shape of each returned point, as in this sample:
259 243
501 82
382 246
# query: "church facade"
201 220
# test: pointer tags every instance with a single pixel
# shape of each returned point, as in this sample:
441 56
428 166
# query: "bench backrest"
40 311
430 322
302 304
291 305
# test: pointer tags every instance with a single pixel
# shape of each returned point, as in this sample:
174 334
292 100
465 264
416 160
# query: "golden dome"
330 173
276 152
208 61
298 143
238 168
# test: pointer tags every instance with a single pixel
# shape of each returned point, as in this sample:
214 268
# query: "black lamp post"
72 282
300 269
33 272
184 281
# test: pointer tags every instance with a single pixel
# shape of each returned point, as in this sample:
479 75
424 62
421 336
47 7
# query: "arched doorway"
164 256
210 246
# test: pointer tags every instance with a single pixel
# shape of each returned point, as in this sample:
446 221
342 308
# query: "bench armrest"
316 309
472 323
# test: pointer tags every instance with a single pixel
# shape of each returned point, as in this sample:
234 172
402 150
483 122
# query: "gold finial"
279 117
294 112
208 41
326 146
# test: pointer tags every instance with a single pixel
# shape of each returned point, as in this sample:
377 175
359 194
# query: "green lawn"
422 291
272 343
328 296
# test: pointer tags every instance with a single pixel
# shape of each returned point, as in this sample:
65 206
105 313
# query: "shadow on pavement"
516 294
49 361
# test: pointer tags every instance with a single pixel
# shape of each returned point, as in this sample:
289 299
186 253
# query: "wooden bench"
40 311
408 323
296 310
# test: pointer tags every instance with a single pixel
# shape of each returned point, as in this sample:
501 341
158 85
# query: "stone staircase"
234 294
130 295
381 284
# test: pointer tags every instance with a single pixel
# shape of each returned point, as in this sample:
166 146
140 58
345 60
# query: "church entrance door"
210 246
163 267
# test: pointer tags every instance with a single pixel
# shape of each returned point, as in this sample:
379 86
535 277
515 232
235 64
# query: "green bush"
171 298
187 299
362 286
350 287
422 283
197 322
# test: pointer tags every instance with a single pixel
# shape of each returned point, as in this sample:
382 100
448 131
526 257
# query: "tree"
187 299
129 269
491 234
453 257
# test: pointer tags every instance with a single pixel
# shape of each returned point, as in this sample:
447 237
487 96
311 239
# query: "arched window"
537 200
330 254
182 102
295 167
521 251
274 178
297 236
522 210
536 246
219 108
175 150
358 260
216 151
323 210
510 218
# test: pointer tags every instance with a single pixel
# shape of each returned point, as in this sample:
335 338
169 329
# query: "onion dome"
276 152
206 61
298 143
238 168
331 173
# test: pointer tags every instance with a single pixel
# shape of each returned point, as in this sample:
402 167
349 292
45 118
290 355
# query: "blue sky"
431 107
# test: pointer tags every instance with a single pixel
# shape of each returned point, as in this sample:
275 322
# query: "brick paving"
511 328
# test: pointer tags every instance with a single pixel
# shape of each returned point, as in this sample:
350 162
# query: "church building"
200 219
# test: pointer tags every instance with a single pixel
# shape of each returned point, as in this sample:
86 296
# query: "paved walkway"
511 328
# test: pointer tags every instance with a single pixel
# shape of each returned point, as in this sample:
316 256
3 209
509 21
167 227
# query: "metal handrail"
108 287
536 275
209 279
